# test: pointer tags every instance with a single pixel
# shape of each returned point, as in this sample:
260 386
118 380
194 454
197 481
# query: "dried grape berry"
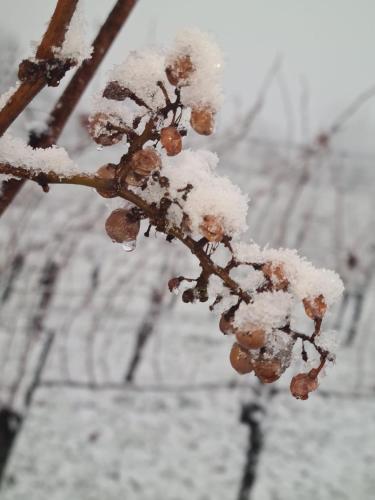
179 70
202 120
171 140
315 308
252 337
106 130
276 273
121 226
144 161
302 384
267 370
107 172
240 359
212 229
226 324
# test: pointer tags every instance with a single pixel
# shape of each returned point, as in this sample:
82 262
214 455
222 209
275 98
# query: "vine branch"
27 90
73 92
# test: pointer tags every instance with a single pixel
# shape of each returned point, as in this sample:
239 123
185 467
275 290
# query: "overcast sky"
327 44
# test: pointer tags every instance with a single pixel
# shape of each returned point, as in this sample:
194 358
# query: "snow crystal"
204 87
268 309
75 44
248 278
216 287
140 73
211 195
15 151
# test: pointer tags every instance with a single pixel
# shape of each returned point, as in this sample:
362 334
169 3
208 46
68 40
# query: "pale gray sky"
327 43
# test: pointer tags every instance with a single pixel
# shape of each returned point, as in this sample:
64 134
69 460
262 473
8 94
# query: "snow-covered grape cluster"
149 104
151 101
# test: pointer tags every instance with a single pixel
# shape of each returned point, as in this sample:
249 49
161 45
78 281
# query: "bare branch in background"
324 138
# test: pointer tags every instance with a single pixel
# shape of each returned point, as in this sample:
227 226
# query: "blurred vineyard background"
111 387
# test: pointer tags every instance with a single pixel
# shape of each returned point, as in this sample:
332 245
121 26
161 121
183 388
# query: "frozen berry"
267 370
106 130
188 295
134 179
115 91
240 359
173 284
211 228
276 273
170 139
144 161
179 71
202 120
226 324
253 337
315 308
107 172
121 226
302 384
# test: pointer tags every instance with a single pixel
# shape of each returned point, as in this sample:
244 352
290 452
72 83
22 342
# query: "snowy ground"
128 393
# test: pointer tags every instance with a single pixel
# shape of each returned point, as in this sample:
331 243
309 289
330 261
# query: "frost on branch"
149 104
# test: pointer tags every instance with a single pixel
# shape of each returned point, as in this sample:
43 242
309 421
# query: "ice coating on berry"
120 227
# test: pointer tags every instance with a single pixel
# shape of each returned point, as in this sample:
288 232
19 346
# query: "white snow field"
128 393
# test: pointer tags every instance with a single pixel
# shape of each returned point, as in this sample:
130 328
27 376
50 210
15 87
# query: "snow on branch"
75 46
16 152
